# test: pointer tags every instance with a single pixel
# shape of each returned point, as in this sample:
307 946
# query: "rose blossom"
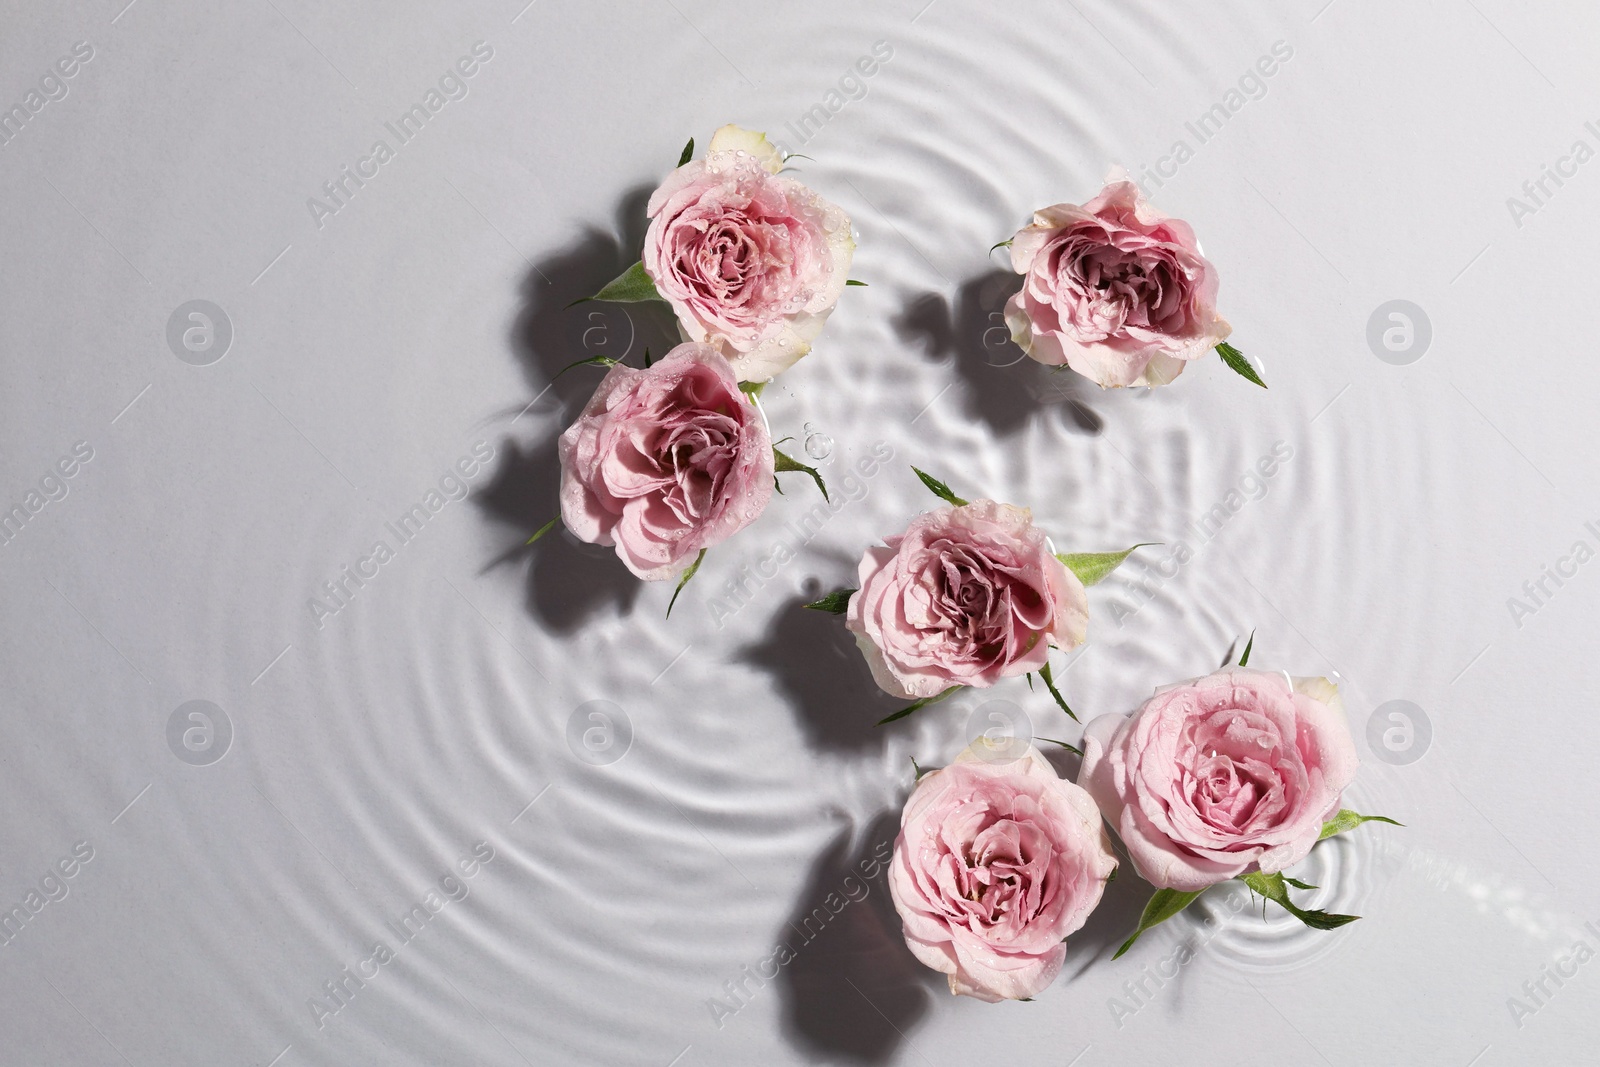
1221 776
966 596
1114 289
750 262
996 863
665 461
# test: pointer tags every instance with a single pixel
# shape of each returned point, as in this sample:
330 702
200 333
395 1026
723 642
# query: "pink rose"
966 596
996 863
1114 289
666 461
1221 776
750 262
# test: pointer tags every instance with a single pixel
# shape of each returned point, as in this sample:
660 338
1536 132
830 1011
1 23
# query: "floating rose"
750 261
665 462
997 862
1234 775
968 595
1117 291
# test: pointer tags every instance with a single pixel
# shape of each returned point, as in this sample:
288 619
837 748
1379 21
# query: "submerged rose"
1114 289
750 262
1221 776
966 596
666 461
996 863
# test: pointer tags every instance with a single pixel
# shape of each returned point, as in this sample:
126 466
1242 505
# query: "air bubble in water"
818 445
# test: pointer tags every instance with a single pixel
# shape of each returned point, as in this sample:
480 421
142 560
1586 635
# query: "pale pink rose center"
1229 772
996 873
1107 282
972 602
680 448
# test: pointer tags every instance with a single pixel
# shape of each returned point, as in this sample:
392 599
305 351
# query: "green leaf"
688 153
1061 701
1162 905
1238 364
782 463
1297 883
546 528
1348 820
685 580
852 281
630 286
835 603
1092 567
924 702
1248 645
939 489
592 361
1273 888
1063 744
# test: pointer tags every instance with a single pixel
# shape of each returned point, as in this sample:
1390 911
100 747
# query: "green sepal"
546 528
1297 883
919 771
852 281
592 361
782 463
685 580
1070 748
1244 660
1238 364
1162 905
1001 244
631 286
924 702
1061 701
1348 820
1272 887
688 153
939 489
1092 567
752 389
835 603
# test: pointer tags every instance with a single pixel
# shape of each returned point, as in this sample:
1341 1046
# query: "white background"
446 703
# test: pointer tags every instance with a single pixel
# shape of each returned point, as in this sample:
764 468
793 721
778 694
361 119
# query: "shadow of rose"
815 662
1005 389
852 990
567 579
